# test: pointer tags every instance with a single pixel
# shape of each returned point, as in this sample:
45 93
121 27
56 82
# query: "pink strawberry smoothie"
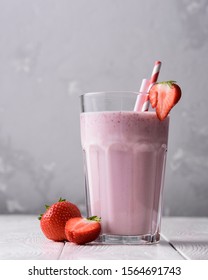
124 154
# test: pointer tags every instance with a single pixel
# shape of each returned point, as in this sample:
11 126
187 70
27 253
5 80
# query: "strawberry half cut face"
164 96
81 230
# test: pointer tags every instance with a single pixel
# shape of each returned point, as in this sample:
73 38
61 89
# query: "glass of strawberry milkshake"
124 156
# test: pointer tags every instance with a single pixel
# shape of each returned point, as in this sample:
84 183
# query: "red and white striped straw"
155 74
152 81
142 102
146 103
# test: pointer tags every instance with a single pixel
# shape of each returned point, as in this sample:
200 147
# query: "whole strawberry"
164 96
81 230
53 221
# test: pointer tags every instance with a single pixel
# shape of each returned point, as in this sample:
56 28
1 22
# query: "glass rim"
110 92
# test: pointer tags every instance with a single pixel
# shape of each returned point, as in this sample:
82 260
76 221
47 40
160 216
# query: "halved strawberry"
53 221
81 230
164 96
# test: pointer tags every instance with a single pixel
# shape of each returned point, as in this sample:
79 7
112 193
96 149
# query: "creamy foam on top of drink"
133 126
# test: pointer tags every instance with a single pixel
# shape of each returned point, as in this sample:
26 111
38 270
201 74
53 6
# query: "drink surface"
124 154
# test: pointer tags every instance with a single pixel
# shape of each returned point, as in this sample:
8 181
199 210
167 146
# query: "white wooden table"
182 238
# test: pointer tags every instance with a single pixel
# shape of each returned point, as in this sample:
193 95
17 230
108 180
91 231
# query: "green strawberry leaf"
94 218
40 216
61 199
169 83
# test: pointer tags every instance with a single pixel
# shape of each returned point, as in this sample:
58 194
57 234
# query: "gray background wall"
51 51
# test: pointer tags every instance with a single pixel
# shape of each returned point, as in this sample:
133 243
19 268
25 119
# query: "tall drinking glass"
124 162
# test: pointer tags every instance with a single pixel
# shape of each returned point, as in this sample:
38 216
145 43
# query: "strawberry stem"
94 218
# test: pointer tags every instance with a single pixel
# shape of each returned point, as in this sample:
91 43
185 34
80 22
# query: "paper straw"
152 81
142 102
146 103
141 97
144 86
155 74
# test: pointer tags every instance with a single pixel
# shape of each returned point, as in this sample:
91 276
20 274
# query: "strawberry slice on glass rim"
163 97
